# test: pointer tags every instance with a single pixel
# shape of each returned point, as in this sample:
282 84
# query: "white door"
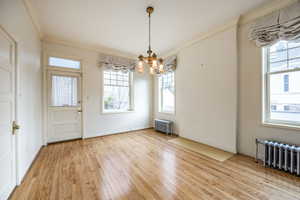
64 106
7 116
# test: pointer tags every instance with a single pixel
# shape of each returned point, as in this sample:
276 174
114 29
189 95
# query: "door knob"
15 127
80 111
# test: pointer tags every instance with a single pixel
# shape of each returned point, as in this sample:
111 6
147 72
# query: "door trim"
16 166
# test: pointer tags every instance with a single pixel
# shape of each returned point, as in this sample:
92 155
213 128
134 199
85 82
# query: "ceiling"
122 24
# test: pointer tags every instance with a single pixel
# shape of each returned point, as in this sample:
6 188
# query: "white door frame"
16 77
46 70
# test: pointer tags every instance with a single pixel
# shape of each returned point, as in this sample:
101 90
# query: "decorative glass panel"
64 91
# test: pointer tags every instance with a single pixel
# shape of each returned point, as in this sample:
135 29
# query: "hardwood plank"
144 165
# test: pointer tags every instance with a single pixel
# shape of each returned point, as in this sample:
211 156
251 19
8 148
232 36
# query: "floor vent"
164 126
280 156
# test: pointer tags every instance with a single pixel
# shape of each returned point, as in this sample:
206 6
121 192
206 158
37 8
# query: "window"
167 93
66 63
282 83
117 91
286 83
64 91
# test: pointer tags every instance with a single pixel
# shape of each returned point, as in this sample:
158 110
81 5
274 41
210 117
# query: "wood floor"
143 165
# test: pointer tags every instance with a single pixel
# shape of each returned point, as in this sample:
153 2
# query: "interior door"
7 116
64 106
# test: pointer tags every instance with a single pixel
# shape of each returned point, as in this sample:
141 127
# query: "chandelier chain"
149 32
156 64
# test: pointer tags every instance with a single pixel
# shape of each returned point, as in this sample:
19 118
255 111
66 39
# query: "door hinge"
15 127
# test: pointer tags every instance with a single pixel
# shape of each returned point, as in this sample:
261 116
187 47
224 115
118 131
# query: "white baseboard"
117 132
29 166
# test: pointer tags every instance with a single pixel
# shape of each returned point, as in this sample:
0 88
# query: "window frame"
131 96
160 96
266 108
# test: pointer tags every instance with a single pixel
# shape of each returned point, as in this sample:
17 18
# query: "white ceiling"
122 24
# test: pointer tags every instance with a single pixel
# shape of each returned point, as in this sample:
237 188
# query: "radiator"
280 156
165 126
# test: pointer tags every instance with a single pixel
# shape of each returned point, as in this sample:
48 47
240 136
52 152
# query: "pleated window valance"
115 63
283 24
170 64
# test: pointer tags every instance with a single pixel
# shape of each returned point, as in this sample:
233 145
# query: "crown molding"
94 48
230 24
33 17
246 18
264 10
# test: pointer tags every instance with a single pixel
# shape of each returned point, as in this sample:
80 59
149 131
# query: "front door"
7 116
64 106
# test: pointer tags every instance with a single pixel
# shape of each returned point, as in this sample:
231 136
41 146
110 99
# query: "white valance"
283 24
117 63
170 64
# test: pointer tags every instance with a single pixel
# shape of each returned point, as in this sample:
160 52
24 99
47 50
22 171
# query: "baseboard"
19 182
29 168
118 132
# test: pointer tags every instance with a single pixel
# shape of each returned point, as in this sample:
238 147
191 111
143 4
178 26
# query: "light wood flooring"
143 165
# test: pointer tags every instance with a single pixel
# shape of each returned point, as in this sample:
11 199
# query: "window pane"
168 103
60 62
116 91
64 91
113 82
295 43
279 46
285 96
294 53
278 56
294 63
116 98
106 82
167 92
113 76
278 66
106 75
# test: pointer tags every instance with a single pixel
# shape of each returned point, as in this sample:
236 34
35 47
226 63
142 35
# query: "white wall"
15 20
250 95
97 123
195 88
206 91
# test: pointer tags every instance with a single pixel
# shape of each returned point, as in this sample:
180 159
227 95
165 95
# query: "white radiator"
165 126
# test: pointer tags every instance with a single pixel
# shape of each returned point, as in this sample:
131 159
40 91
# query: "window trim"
131 96
265 111
160 99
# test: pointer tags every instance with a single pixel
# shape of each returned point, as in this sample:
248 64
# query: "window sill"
166 113
281 125
116 112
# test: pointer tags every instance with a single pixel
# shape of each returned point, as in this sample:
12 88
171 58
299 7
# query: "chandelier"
155 63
